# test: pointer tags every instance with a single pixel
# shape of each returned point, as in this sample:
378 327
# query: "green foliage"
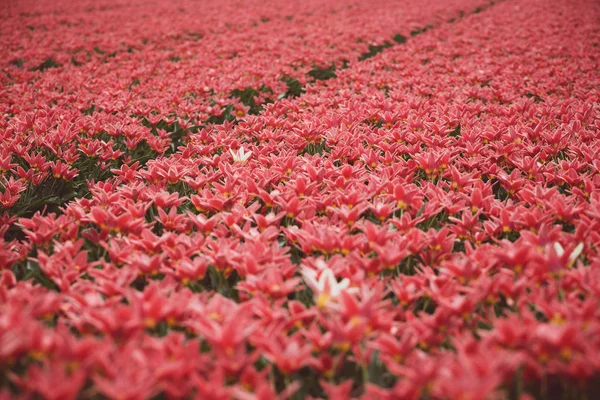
400 39
294 88
133 83
536 98
455 132
248 95
419 31
374 50
322 74
17 62
47 64
48 195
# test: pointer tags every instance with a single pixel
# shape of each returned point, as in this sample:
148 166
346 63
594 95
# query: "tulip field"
276 199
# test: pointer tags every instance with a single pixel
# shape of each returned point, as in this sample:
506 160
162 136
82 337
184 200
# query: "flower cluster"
285 200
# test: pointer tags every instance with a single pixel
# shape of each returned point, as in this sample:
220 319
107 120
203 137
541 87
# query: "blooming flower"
240 155
570 258
325 286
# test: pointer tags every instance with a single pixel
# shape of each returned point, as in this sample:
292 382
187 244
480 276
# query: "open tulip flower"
340 199
325 287
240 155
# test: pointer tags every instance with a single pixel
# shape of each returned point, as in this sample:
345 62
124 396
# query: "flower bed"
312 201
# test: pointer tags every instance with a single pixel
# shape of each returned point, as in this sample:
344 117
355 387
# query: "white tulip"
326 288
241 155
